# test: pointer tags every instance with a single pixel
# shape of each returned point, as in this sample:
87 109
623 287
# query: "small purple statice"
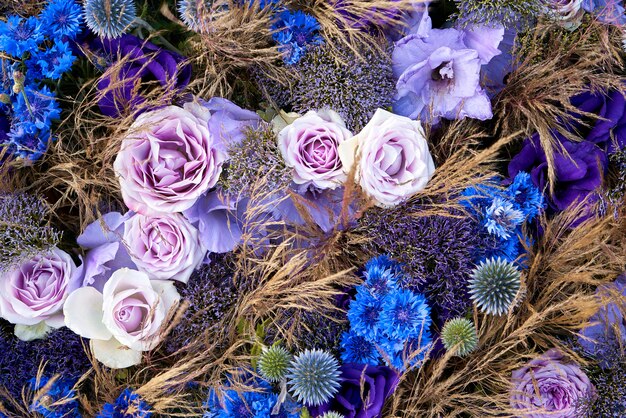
211 294
24 228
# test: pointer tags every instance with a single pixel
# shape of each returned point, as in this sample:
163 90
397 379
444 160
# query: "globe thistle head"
274 362
459 334
109 18
195 13
494 285
332 414
313 377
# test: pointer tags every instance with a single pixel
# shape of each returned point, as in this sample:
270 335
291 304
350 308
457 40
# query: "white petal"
347 153
167 292
83 313
114 354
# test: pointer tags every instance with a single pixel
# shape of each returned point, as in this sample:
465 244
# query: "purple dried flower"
438 253
62 350
211 294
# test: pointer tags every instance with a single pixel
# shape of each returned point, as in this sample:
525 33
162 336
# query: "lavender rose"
546 387
310 145
125 319
165 246
393 158
35 291
363 392
168 159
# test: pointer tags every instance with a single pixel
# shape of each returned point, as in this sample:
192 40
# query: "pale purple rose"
567 13
439 74
392 156
547 387
106 252
124 319
219 219
168 159
164 246
35 291
310 146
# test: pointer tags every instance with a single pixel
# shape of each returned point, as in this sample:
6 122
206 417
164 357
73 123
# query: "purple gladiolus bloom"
607 327
607 11
145 62
579 173
439 74
609 133
363 392
106 252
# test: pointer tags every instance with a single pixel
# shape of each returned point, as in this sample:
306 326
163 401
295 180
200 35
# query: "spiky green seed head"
494 285
313 377
274 362
459 335
333 414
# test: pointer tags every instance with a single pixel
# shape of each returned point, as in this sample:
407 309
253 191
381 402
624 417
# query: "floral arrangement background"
312 208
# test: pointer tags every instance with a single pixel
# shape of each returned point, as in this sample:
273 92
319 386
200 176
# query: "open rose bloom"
125 319
35 291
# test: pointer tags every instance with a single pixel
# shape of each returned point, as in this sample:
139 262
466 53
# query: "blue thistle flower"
526 197
314 377
459 334
381 274
59 391
332 414
39 111
405 314
364 314
109 18
194 12
494 285
55 61
61 18
274 362
501 218
19 35
358 349
127 405
295 32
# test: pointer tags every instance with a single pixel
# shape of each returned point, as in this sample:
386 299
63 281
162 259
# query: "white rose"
125 319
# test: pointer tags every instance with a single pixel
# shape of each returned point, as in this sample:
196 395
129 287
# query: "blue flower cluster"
386 320
36 49
295 32
58 401
127 405
249 404
503 212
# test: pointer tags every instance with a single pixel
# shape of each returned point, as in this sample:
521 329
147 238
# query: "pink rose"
310 145
393 158
125 319
36 290
168 159
164 246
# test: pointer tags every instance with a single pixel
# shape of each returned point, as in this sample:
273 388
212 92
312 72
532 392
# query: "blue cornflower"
54 62
28 145
295 31
61 18
475 198
364 314
60 391
405 315
357 349
501 218
403 355
40 110
525 196
127 405
19 35
381 275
